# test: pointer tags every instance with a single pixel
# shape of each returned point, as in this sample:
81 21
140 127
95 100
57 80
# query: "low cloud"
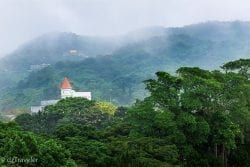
22 20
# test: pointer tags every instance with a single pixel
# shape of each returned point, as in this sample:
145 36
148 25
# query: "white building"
36 109
66 91
44 103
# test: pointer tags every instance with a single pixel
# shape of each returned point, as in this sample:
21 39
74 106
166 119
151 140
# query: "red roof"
66 84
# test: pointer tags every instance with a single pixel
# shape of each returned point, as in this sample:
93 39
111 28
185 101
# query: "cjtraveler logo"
13 160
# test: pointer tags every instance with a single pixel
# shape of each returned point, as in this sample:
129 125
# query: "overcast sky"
22 20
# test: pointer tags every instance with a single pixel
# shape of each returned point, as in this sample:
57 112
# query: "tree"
203 103
105 107
241 65
20 148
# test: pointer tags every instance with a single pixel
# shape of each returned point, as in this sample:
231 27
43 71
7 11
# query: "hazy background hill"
113 69
49 49
53 47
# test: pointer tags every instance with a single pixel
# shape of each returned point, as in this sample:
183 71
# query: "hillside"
117 75
53 47
49 49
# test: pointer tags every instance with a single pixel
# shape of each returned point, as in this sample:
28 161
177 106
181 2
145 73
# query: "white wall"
48 102
71 93
67 93
36 109
86 95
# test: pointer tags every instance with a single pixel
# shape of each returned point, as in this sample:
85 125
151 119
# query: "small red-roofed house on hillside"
67 91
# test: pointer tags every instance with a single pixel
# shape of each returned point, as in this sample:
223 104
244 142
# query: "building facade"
67 91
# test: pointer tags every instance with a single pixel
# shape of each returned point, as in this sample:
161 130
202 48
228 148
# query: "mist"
22 20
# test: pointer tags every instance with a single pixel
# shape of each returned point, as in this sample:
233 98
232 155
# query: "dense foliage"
21 148
197 118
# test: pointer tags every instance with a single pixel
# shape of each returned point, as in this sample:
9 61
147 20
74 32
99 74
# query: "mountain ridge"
118 76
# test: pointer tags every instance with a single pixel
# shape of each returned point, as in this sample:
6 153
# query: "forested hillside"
198 118
49 49
113 69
